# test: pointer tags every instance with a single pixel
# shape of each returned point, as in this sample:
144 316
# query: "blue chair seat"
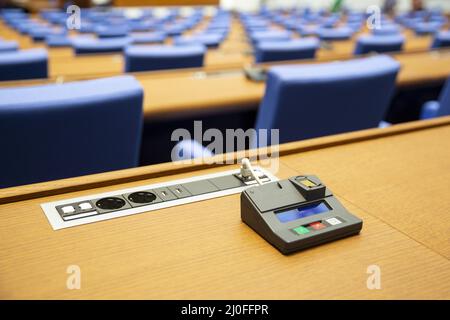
174 30
258 36
272 35
390 29
148 37
58 41
336 34
426 28
87 27
441 40
308 30
355 26
189 149
139 26
307 101
111 31
430 110
64 130
148 58
84 45
371 43
289 50
23 64
439 108
41 33
8 46
209 40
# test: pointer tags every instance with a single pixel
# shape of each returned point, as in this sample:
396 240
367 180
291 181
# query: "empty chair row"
33 63
305 48
308 101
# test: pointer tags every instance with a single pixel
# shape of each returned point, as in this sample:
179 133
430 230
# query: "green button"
301 230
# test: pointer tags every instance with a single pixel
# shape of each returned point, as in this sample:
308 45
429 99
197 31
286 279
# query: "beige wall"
403 5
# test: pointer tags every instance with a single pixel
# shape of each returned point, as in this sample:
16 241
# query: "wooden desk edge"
229 67
32 191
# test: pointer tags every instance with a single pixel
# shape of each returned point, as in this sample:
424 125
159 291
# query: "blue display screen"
302 212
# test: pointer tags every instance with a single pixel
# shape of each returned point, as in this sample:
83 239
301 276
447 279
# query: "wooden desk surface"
395 179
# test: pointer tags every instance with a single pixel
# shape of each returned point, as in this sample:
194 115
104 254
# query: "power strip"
104 206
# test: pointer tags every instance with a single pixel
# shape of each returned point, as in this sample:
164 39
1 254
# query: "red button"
317 225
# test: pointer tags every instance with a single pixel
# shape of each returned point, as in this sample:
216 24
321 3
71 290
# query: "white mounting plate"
57 222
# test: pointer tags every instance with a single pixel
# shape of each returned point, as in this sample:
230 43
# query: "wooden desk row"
199 91
233 53
396 179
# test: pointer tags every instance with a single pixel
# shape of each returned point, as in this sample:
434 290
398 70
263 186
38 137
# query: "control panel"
297 213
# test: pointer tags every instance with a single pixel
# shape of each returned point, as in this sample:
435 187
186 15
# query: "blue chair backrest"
328 98
209 40
380 44
258 36
57 131
149 58
335 34
108 31
424 28
288 50
8 46
148 37
388 29
24 64
58 41
441 40
444 100
84 45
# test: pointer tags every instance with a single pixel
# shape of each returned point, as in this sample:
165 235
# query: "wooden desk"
395 179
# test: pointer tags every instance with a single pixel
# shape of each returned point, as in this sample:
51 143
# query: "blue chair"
189 149
58 131
58 41
426 28
439 108
336 34
84 45
40 34
289 50
308 30
387 30
8 46
371 43
355 26
174 30
441 40
111 31
23 64
211 40
258 36
148 37
316 100
149 58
